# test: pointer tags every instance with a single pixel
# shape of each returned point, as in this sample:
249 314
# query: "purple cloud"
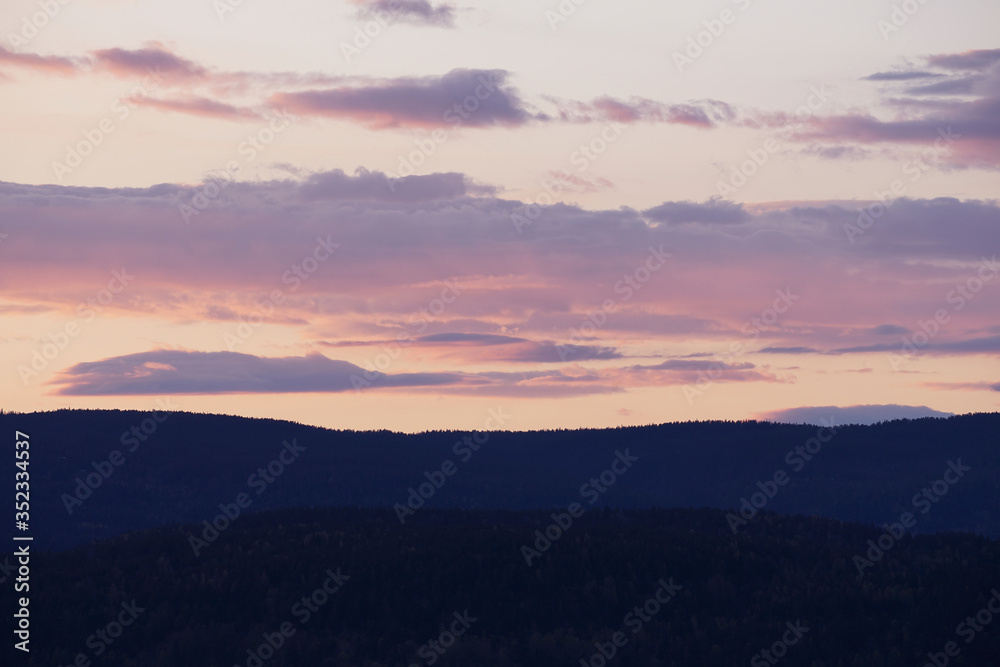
890 330
901 76
470 338
990 344
374 186
969 60
713 211
184 372
698 365
965 130
462 97
417 12
500 348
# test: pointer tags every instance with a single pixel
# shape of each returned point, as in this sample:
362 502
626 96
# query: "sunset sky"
412 215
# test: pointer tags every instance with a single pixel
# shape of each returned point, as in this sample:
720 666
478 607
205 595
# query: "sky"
416 215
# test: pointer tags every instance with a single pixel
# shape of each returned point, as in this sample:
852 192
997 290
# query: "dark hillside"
191 463
397 588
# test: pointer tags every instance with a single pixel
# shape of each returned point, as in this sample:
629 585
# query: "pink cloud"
51 64
567 180
153 58
198 106
704 114
401 242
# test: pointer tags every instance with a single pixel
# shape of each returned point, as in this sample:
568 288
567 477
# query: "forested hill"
97 474
354 588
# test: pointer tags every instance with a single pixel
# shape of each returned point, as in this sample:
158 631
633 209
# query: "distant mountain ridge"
180 467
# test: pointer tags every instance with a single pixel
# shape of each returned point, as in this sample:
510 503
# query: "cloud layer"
576 302
180 372
950 108
945 111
